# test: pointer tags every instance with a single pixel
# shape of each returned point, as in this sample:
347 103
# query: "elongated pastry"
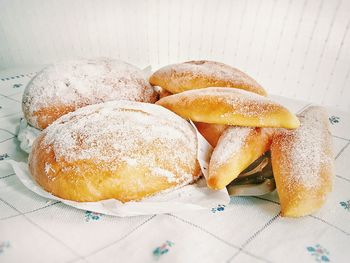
229 106
122 149
302 162
211 132
199 74
237 148
66 86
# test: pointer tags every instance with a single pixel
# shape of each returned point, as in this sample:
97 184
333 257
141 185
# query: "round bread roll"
122 149
64 87
229 106
237 148
302 163
180 77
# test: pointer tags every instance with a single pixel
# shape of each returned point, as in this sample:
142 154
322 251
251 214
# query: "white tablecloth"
249 229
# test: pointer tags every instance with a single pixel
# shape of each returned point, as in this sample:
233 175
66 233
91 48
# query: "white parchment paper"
190 197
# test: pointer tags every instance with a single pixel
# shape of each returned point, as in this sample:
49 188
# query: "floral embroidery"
15 86
89 215
320 254
334 119
345 205
163 249
3 246
4 156
219 208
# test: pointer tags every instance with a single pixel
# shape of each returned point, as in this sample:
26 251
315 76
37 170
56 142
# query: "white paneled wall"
294 48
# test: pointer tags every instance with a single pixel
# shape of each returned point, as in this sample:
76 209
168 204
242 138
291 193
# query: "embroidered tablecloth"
249 229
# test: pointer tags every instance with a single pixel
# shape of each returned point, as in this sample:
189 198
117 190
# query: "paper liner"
187 198
26 135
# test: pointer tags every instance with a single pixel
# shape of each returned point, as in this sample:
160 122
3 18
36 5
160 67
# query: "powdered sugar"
48 168
234 138
305 148
242 102
210 69
125 131
171 177
83 82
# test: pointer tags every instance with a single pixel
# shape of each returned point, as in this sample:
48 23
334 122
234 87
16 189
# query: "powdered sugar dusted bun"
64 87
122 149
199 74
302 162
237 148
229 106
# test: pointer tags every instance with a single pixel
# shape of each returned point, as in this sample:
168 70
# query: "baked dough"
122 149
302 162
164 93
64 87
237 148
211 132
229 106
199 74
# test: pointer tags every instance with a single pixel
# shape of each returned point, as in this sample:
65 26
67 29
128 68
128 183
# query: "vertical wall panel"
294 48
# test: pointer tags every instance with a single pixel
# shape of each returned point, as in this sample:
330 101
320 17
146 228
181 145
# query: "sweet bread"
121 149
237 148
211 132
199 74
64 87
229 106
302 163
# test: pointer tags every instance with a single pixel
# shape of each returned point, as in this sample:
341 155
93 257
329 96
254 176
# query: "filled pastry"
302 163
229 106
237 148
199 74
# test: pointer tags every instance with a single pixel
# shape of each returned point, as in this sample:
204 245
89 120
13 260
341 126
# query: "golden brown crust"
211 132
229 106
302 162
45 116
64 87
237 148
90 183
84 171
189 75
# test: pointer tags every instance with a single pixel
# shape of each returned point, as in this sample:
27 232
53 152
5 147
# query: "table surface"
249 229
